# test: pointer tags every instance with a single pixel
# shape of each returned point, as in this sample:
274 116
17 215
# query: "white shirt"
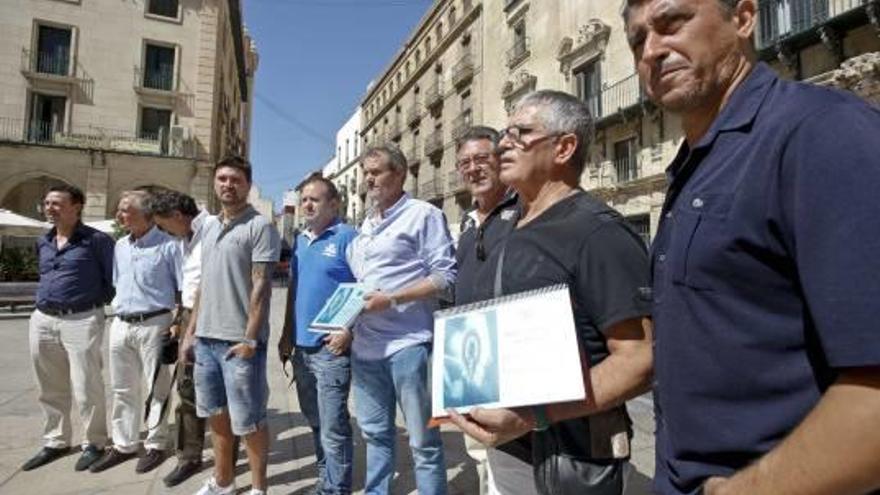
192 261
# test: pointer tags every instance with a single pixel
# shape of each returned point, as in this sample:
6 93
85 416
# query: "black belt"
69 310
142 317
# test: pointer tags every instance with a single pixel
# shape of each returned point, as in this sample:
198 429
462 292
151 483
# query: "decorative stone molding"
591 40
520 84
860 74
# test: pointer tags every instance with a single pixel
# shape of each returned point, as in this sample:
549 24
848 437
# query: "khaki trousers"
135 350
66 356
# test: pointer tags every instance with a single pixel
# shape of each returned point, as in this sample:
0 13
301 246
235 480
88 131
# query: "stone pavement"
291 455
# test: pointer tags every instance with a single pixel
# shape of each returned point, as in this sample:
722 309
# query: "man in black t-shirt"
483 228
563 235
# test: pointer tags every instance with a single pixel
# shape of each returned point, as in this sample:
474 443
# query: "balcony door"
47 117
53 50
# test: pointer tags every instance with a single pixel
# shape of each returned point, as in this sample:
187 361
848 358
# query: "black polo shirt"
765 273
487 235
581 242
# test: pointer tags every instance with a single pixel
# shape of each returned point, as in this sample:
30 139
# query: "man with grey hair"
764 265
404 254
562 235
147 275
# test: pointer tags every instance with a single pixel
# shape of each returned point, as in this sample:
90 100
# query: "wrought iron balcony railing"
463 70
93 137
781 19
434 143
434 94
461 124
57 63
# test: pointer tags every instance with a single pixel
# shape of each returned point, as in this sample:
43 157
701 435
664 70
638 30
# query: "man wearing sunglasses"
482 230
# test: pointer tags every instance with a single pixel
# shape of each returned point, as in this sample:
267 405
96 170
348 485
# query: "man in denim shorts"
230 326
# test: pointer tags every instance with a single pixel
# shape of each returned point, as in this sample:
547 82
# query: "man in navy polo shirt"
67 328
765 266
321 362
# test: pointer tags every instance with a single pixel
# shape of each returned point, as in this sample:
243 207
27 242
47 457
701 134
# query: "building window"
642 225
626 160
53 50
159 67
418 57
452 15
155 125
428 44
46 117
588 85
164 8
520 49
439 29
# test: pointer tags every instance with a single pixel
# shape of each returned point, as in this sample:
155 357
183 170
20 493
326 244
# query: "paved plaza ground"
291 455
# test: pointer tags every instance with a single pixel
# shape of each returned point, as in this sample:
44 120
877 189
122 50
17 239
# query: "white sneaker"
211 488
254 491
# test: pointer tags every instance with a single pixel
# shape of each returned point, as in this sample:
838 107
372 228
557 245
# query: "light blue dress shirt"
411 241
147 273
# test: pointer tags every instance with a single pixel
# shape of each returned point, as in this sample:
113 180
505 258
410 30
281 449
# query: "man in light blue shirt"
147 274
405 254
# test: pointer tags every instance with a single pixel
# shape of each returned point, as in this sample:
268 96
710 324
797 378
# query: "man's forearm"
425 288
259 300
287 328
194 314
626 373
836 449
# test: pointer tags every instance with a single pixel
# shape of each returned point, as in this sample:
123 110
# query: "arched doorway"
27 197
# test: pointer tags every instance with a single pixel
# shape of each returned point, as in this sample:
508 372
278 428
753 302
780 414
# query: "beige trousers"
135 350
66 356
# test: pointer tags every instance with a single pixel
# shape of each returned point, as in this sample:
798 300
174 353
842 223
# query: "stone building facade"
468 61
109 96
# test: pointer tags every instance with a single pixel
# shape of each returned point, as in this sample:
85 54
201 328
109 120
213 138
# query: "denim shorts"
236 384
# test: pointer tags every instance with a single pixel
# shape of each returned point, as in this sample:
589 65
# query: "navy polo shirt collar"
742 108
79 233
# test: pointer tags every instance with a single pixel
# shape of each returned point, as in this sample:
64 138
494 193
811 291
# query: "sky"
316 59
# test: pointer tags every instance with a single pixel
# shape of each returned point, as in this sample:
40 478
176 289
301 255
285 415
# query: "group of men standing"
173 261
751 318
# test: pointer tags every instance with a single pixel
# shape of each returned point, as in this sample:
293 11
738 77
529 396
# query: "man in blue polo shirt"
320 361
765 266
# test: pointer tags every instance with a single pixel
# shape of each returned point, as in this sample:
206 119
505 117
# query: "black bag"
170 347
561 468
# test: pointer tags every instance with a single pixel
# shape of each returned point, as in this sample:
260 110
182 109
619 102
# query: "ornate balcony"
413 114
434 95
434 143
463 70
454 182
461 124
431 189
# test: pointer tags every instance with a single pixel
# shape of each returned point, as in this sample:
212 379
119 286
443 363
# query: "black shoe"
151 460
182 472
110 458
90 455
45 456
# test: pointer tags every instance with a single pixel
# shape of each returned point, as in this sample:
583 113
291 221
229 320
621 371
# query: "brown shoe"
182 472
111 458
150 461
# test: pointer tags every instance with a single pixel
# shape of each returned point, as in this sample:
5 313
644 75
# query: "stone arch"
24 193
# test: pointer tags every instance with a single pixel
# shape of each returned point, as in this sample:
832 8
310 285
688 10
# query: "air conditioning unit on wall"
179 140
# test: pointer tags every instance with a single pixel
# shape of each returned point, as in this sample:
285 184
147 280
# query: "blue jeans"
401 378
233 383
322 384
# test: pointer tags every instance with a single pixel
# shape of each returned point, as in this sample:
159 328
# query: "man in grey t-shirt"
230 327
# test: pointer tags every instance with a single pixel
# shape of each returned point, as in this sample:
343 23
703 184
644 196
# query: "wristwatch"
394 302
541 422
250 343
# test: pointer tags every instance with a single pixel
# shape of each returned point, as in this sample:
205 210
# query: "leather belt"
70 310
142 317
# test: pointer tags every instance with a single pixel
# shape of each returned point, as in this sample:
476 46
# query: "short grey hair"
562 113
396 158
138 199
727 6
